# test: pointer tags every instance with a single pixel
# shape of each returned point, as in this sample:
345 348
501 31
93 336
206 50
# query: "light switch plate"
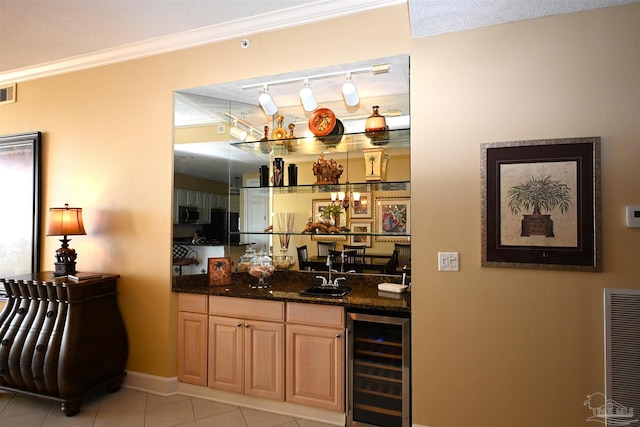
633 216
448 261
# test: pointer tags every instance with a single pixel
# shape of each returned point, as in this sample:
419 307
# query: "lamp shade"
65 221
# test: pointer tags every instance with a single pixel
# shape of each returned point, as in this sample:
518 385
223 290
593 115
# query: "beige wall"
490 346
498 347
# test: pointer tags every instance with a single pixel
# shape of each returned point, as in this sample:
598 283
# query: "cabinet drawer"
193 303
315 314
246 308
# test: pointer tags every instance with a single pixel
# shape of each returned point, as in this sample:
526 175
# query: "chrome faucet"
329 281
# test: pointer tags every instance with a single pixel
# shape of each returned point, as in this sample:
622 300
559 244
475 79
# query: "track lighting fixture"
266 102
350 92
306 97
238 133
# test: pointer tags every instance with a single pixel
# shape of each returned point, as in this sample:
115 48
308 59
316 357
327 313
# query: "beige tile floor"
130 408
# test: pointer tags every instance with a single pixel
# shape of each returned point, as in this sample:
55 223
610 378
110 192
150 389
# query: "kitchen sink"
326 291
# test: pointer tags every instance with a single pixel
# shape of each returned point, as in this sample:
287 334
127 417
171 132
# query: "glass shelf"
303 146
321 235
335 188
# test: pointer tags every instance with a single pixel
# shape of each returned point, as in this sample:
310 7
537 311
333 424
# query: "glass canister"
283 261
245 260
261 267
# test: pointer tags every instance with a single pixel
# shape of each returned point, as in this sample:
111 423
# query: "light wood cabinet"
315 356
226 354
192 339
246 351
292 352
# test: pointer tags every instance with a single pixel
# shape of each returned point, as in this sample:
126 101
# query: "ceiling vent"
8 93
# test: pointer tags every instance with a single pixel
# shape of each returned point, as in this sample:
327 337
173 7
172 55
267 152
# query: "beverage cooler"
379 371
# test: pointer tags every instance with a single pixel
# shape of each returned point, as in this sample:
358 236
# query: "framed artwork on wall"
393 219
318 206
360 233
362 208
20 218
541 204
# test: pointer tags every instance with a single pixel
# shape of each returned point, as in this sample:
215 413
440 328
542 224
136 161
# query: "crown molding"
301 15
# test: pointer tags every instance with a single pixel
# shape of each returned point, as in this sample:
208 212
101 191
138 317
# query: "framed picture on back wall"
393 219
361 208
360 233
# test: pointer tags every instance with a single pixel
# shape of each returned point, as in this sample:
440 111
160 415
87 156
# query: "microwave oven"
188 215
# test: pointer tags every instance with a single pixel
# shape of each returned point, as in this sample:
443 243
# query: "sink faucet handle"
324 279
335 282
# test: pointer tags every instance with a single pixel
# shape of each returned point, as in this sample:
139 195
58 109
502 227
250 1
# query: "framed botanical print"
541 204
393 219
360 233
361 208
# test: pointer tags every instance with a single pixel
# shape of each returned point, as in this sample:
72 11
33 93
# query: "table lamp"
65 222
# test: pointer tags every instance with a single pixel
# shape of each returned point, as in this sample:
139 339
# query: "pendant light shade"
267 103
306 97
350 92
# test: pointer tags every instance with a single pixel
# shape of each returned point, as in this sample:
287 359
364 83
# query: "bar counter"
285 286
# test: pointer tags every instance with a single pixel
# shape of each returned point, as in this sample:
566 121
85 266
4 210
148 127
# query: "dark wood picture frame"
20 218
541 204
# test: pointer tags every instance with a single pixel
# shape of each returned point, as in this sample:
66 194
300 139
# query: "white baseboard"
170 386
151 384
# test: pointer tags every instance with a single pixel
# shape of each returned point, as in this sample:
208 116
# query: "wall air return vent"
622 348
8 93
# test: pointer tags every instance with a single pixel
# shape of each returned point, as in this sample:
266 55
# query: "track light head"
307 98
238 133
267 103
350 92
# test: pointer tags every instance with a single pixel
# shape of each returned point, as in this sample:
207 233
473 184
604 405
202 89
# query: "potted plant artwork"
331 213
539 194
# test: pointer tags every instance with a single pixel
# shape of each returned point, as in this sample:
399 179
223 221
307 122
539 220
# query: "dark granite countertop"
285 286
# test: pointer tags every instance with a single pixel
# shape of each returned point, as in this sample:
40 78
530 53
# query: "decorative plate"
322 122
335 136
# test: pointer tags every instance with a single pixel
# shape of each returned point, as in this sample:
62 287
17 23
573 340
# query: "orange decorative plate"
322 122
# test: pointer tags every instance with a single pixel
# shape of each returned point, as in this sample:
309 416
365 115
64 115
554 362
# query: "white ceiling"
43 32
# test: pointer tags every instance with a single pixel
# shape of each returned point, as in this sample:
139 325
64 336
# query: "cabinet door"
205 208
225 354
192 348
264 359
182 197
315 367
